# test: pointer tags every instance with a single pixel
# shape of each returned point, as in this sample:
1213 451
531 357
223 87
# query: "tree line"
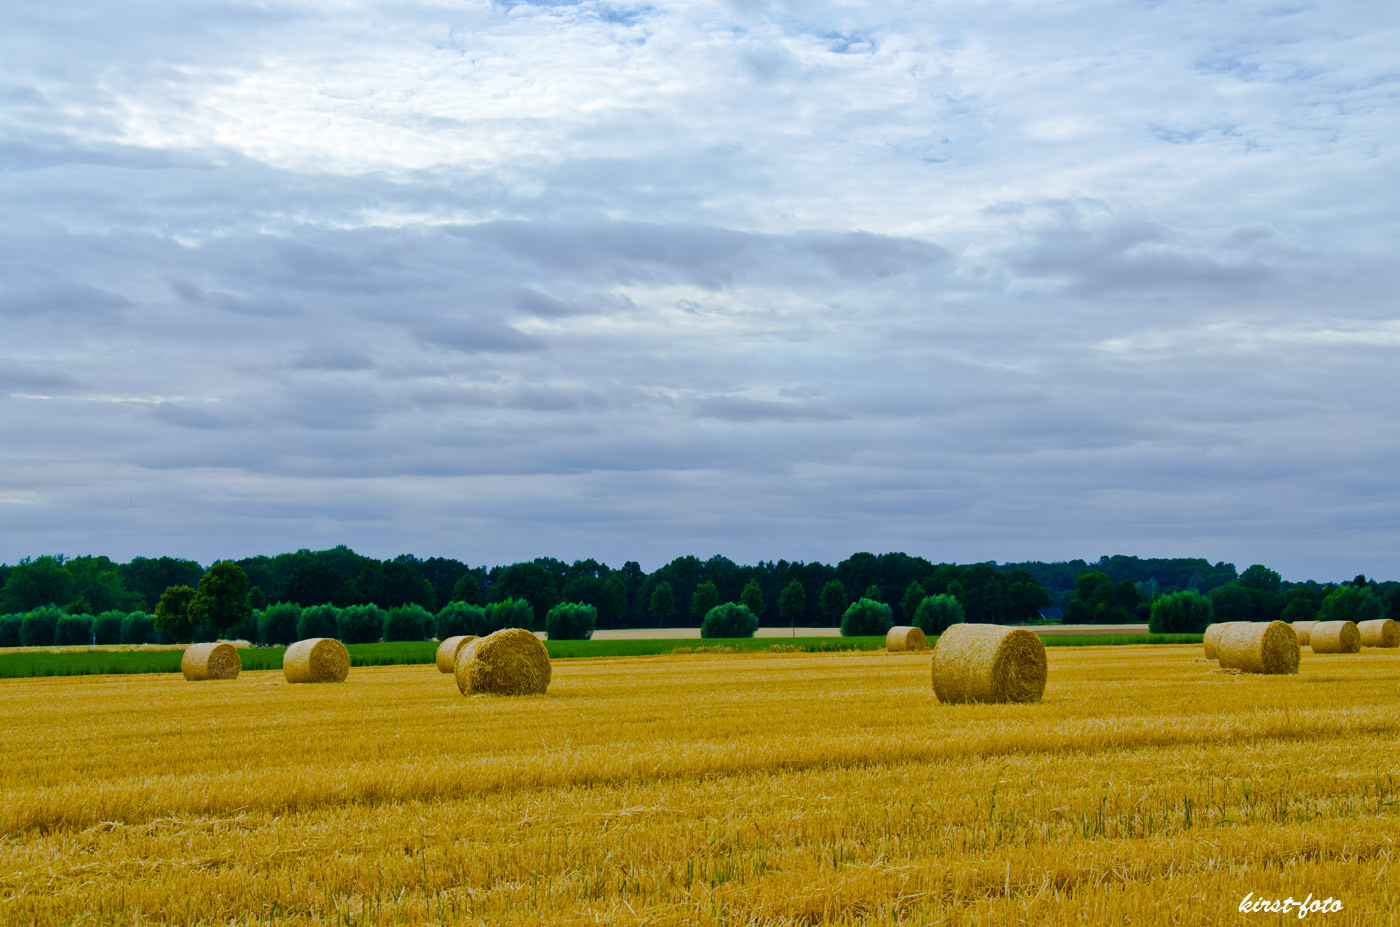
1118 589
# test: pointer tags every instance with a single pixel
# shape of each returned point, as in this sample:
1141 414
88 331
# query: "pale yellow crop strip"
734 789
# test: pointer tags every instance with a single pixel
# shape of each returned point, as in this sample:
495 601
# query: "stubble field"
790 788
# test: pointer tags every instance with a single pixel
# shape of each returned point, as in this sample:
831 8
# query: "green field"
89 663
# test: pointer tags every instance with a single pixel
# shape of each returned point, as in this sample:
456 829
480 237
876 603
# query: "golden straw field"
770 788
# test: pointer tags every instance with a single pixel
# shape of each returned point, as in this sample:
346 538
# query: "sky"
994 280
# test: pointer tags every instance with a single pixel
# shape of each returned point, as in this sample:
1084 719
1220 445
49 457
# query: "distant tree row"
1113 590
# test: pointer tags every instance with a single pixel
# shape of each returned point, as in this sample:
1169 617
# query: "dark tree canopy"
221 601
173 612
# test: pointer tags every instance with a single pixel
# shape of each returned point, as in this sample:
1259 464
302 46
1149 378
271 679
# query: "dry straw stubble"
988 663
1382 632
1269 647
509 662
316 659
901 638
217 660
1335 637
447 652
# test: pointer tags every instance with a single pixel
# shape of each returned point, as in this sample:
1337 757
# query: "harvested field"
1147 788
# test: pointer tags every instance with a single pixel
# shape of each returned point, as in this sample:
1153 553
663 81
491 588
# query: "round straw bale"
905 638
447 652
316 659
509 662
988 663
1382 632
1259 647
218 660
1212 639
1304 631
1335 637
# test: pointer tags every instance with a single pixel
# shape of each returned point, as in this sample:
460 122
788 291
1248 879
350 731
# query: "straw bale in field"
901 638
1335 637
1212 639
316 659
217 660
1304 631
447 652
988 663
1382 632
1259 647
509 662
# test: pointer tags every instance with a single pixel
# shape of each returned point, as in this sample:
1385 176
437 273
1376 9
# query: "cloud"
631 280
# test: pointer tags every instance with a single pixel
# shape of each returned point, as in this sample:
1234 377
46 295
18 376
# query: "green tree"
728 620
752 598
392 584
1231 602
792 604
606 595
532 582
865 618
221 601
511 613
910 603
467 589
1301 604
318 621
1351 603
315 582
937 613
663 603
36 582
148 577
40 626
460 618
410 622
834 601
173 613
873 593
571 621
1185 612
280 623
1261 578
705 598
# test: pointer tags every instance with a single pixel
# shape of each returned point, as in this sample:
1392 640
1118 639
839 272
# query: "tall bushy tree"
512 613
361 624
866 617
34 583
752 598
705 598
834 601
533 582
318 621
467 589
1232 602
279 624
392 584
139 628
1186 612
728 620
221 601
792 604
571 621
457 618
1351 603
913 595
315 582
407 623
107 627
937 613
10 626
74 630
172 616
1301 604
663 603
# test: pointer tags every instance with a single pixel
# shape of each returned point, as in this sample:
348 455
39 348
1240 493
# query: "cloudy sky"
974 280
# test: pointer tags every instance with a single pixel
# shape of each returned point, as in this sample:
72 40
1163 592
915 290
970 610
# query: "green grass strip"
396 653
